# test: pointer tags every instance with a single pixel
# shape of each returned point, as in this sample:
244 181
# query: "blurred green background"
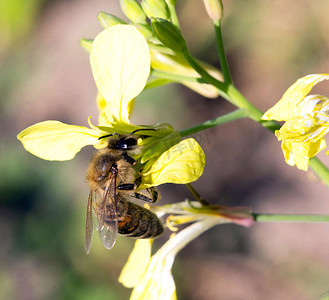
45 75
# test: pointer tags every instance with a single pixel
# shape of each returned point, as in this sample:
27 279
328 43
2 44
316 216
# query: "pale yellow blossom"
306 121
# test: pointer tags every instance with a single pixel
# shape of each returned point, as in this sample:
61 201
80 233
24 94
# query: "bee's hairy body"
101 165
137 222
112 180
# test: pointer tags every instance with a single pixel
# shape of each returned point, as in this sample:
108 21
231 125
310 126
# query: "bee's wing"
108 218
89 222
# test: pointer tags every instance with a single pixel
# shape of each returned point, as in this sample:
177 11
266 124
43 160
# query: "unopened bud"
168 34
86 44
171 2
108 20
133 11
214 9
156 9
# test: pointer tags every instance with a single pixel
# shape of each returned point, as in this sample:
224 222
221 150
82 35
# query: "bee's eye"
126 143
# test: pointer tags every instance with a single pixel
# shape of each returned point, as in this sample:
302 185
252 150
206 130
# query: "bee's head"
126 143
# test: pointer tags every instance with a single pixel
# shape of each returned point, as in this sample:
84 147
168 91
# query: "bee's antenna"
143 129
108 135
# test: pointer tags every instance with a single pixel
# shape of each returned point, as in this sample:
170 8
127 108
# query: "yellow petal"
302 129
299 153
182 163
287 107
302 138
53 140
137 263
157 285
157 281
105 117
120 61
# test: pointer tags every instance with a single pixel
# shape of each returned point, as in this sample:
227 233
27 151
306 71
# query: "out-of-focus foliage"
17 18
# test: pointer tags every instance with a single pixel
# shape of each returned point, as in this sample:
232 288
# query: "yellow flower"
151 276
307 121
120 62
165 60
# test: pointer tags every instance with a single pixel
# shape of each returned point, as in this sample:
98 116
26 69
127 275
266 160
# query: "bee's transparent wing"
89 221
108 217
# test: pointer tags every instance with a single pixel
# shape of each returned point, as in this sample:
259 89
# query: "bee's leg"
138 181
128 158
150 195
127 187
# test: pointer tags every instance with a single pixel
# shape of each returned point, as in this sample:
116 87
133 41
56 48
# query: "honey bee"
113 180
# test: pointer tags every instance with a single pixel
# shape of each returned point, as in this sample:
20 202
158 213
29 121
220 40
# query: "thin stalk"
253 112
235 115
221 53
196 195
230 93
289 218
320 169
222 87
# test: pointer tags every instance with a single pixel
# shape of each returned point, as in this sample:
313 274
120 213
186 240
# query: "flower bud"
156 9
86 44
171 2
133 11
168 34
108 20
214 9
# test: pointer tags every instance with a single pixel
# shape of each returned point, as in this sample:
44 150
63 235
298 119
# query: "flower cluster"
306 121
157 21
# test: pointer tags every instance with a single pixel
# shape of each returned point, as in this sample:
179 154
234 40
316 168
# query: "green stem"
222 87
240 101
320 169
221 53
253 112
196 195
289 218
238 114
230 93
